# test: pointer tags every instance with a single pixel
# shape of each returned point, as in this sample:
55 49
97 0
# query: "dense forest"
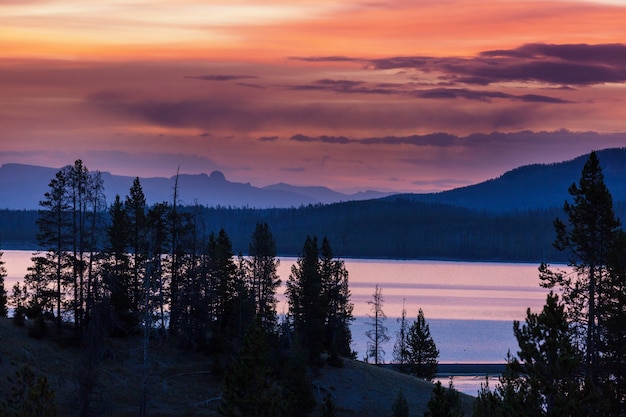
391 228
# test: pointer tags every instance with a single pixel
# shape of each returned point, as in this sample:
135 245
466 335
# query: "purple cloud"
569 64
220 77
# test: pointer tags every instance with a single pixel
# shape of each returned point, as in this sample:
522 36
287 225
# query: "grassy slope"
180 384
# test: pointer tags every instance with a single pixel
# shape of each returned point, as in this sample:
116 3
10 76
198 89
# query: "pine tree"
400 407
135 206
226 288
264 279
37 284
612 313
422 353
54 226
118 273
588 237
377 335
307 301
334 276
250 389
444 402
3 292
400 348
551 360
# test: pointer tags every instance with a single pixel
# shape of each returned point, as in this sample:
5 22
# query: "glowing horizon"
343 94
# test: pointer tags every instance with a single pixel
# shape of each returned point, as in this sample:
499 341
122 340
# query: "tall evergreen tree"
77 191
135 206
264 280
400 348
37 282
117 269
422 357
307 302
54 233
158 233
250 387
226 287
96 238
377 335
3 292
544 380
551 360
612 314
334 276
588 238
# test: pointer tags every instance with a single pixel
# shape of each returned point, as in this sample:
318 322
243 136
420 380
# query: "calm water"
470 307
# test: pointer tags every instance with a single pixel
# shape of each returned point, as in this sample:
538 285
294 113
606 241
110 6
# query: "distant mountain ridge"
530 187
23 186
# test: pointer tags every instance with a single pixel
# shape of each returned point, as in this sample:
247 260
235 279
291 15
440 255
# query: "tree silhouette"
3 292
377 335
422 353
588 237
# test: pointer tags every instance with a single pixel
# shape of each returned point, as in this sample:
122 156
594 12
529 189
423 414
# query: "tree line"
398 228
158 271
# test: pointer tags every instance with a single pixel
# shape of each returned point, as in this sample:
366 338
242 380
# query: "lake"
470 306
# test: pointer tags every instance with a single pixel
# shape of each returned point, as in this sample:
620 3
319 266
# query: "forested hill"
506 219
533 186
398 229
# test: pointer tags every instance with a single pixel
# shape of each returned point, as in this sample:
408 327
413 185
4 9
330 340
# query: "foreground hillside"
182 384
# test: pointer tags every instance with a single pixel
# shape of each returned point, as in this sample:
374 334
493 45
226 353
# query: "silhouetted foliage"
250 387
422 353
377 335
444 402
400 350
400 407
30 396
3 292
264 280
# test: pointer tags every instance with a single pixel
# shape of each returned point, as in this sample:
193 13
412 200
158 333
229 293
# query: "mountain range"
23 186
528 187
531 187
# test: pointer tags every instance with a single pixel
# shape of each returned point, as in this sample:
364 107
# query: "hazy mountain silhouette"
528 187
23 186
535 186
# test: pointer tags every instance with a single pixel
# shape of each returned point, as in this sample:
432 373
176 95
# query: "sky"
402 95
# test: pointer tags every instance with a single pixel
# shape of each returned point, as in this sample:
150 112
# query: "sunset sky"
403 95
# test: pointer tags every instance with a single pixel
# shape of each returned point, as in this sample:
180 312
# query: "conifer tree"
135 206
54 226
37 282
227 288
422 353
3 292
444 402
334 276
377 335
307 302
400 348
400 407
588 237
250 388
264 280
117 270
551 360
